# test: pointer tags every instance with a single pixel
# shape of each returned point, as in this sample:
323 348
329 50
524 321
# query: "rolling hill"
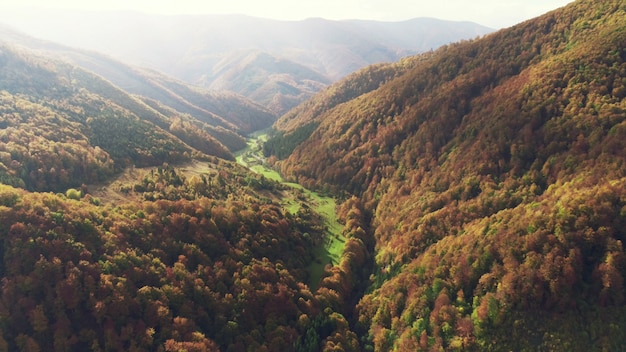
240 53
220 110
51 108
493 172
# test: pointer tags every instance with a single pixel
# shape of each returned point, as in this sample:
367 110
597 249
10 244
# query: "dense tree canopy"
195 263
494 170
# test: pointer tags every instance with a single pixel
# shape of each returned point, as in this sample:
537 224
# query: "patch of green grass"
291 205
316 268
267 172
296 186
326 207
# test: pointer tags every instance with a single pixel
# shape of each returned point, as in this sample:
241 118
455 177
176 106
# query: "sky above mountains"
493 13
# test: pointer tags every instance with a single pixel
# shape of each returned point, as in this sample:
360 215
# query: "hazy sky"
493 13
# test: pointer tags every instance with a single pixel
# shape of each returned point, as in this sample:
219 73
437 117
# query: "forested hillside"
125 226
225 114
200 263
63 126
494 173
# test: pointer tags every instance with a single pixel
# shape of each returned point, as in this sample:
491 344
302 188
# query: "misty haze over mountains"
275 63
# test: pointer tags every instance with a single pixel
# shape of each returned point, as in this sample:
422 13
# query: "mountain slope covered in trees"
194 252
63 126
494 174
200 263
220 110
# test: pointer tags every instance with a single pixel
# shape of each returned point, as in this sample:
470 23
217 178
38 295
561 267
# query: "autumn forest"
479 202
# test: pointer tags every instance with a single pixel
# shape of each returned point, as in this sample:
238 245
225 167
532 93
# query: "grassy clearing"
267 172
334 242
330 252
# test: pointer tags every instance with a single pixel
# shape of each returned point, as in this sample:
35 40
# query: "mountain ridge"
227 116
190 47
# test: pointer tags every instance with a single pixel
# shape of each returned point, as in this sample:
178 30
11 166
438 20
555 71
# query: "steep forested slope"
495 173
63 126
221 111
298 124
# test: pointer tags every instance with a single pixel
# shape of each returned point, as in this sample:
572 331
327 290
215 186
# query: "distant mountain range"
276 63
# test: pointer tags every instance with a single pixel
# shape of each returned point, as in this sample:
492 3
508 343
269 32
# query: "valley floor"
334 242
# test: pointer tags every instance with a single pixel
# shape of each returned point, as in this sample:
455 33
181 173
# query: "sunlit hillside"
494 170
